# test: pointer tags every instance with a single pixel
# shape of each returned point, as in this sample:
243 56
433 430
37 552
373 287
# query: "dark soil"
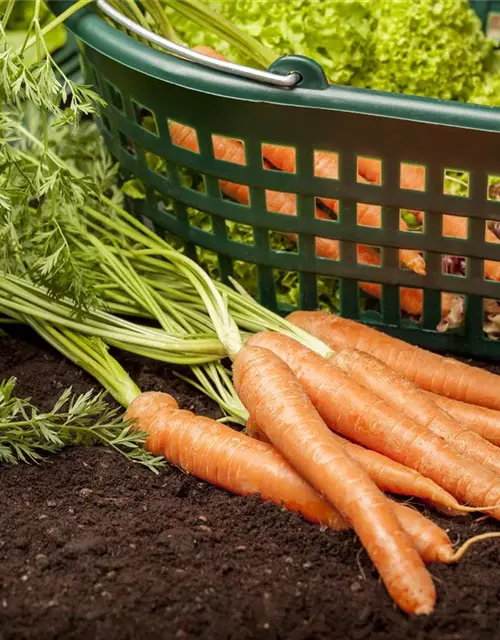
94 547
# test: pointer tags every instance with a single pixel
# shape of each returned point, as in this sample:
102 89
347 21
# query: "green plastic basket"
489 13
136 79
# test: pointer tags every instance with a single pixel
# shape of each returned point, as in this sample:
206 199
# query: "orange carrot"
485 422
388 475
432 542
226 458
429 371
359 415
279 406
208 51
233 461
407 398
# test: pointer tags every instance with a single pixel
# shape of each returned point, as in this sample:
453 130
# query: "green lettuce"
432 48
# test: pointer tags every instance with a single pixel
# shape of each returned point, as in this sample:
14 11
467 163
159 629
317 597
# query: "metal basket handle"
287 81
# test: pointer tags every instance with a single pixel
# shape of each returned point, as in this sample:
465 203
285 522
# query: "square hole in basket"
155 163
328 293
411 301
455 227
279 158
287 288
236 193
191 180
326 209
245 273
105 121
452 312
134 188
491 270
200 219
183 136
491 318
370 169
281 202
368 297
278 241
145 118
411 221
209 261
368 215
127 144
327 248
326 165
412 260
494 188
229 149
412 177
239 232
115 97
454 265
456 182
369 255
492 233
164 203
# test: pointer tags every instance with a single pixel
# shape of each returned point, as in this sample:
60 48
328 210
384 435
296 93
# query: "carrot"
358 414
226 458
432 542
388 475
407 398
485 422
279 406
429 371
208 51
254 467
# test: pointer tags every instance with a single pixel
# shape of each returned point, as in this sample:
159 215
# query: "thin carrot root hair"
462 550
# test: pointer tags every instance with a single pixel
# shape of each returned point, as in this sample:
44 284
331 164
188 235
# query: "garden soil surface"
94 547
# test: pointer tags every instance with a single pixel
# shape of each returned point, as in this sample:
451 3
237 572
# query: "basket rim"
94 32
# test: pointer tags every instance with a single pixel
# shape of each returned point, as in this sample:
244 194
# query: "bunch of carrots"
327 436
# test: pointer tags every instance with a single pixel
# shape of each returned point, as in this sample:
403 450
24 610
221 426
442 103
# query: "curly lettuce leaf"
432 48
